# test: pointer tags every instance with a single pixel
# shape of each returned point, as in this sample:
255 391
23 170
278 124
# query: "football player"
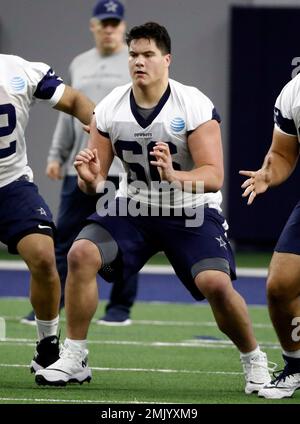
26 224
284 274
168 137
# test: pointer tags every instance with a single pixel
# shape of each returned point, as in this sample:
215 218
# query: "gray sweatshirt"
96 76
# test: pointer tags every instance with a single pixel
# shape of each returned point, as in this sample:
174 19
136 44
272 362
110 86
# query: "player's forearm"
208 175
83 109
77 104
280 168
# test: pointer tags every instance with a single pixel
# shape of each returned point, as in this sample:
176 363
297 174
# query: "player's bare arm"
206 149
278 165
92 164
77 104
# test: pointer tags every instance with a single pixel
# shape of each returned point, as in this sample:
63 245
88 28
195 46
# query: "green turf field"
172 353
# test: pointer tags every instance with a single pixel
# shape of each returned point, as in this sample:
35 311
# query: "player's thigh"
193 251
122 245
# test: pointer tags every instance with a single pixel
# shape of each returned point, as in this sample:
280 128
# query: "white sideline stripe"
13 265
187 343
77 401
252 272
159 370
159 323
147 269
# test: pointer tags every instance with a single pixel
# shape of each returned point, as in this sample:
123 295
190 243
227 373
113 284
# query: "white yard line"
194 343
159 323
80 401
152 370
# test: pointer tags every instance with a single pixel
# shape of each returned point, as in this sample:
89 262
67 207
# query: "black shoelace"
281 375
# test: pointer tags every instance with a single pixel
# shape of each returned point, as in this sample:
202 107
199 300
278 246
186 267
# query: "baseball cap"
108 9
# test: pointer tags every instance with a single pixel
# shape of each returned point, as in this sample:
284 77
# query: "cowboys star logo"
111 6
42 211
221 241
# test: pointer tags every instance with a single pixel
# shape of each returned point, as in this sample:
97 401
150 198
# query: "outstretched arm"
278 165
77 104
92 164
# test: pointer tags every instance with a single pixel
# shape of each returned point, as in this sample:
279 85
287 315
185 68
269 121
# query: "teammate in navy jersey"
26 225
283 284
168 138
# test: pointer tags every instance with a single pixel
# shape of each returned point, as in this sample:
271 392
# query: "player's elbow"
215 186
215 181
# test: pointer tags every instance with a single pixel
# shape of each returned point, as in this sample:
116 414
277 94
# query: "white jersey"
179 112
95 75
21 84
287 108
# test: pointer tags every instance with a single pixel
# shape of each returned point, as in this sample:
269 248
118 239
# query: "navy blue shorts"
289 240
23 211
189 249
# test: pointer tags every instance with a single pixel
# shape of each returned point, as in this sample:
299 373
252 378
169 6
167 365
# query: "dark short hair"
151 31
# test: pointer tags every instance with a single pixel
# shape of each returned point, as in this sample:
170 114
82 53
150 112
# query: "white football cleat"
71 367
286 381
256 371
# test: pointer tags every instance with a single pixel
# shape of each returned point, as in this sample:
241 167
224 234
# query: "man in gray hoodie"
94 72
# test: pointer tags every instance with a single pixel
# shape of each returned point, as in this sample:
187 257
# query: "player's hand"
258 181
53 170
87 164
163 161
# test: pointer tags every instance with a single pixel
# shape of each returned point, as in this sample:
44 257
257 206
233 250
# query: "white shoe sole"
275 393
79 378
253 388
114 323
27 322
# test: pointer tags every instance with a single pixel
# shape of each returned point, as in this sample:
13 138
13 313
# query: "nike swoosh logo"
44 226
